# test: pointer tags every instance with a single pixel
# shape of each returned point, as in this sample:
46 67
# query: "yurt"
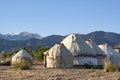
58 57
111 54
100 55
22 54
82 53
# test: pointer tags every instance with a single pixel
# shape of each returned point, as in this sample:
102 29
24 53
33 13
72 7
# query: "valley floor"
37 72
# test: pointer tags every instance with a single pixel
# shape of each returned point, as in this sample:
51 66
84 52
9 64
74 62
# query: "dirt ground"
38 72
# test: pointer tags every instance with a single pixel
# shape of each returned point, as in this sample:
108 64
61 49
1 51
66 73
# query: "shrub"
5 63
88 66
38 53
118 79
24 65
110 67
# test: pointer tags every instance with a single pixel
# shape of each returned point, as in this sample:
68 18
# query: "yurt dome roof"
23 53
77 45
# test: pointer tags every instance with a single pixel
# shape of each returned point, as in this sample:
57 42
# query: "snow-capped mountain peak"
13 33
20 36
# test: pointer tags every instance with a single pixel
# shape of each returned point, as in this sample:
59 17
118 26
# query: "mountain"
52 39
110 38
48 41
16 44
19 36
27 40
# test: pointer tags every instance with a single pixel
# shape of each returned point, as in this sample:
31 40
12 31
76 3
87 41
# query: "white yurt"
82 53
58 57
22 54
100 55
111 54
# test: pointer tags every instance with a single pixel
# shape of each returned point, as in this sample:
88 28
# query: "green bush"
24 65
88 66
110 67
38 53
5 54
6 63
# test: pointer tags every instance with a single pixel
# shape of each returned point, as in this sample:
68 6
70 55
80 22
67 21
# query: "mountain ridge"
111 38
19 36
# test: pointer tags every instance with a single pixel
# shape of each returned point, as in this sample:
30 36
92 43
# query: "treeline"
38 52
35 53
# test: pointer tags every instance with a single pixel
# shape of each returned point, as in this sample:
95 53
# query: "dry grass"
24 65
110 67
38 61
38 72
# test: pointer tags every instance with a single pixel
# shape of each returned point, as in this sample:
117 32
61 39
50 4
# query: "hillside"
99 37
33 42
105 37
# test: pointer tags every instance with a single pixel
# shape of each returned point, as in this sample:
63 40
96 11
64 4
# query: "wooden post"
45 61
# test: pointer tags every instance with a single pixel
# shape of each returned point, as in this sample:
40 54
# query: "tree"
5 54
38 53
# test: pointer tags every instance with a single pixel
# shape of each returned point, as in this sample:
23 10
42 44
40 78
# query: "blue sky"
47 17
